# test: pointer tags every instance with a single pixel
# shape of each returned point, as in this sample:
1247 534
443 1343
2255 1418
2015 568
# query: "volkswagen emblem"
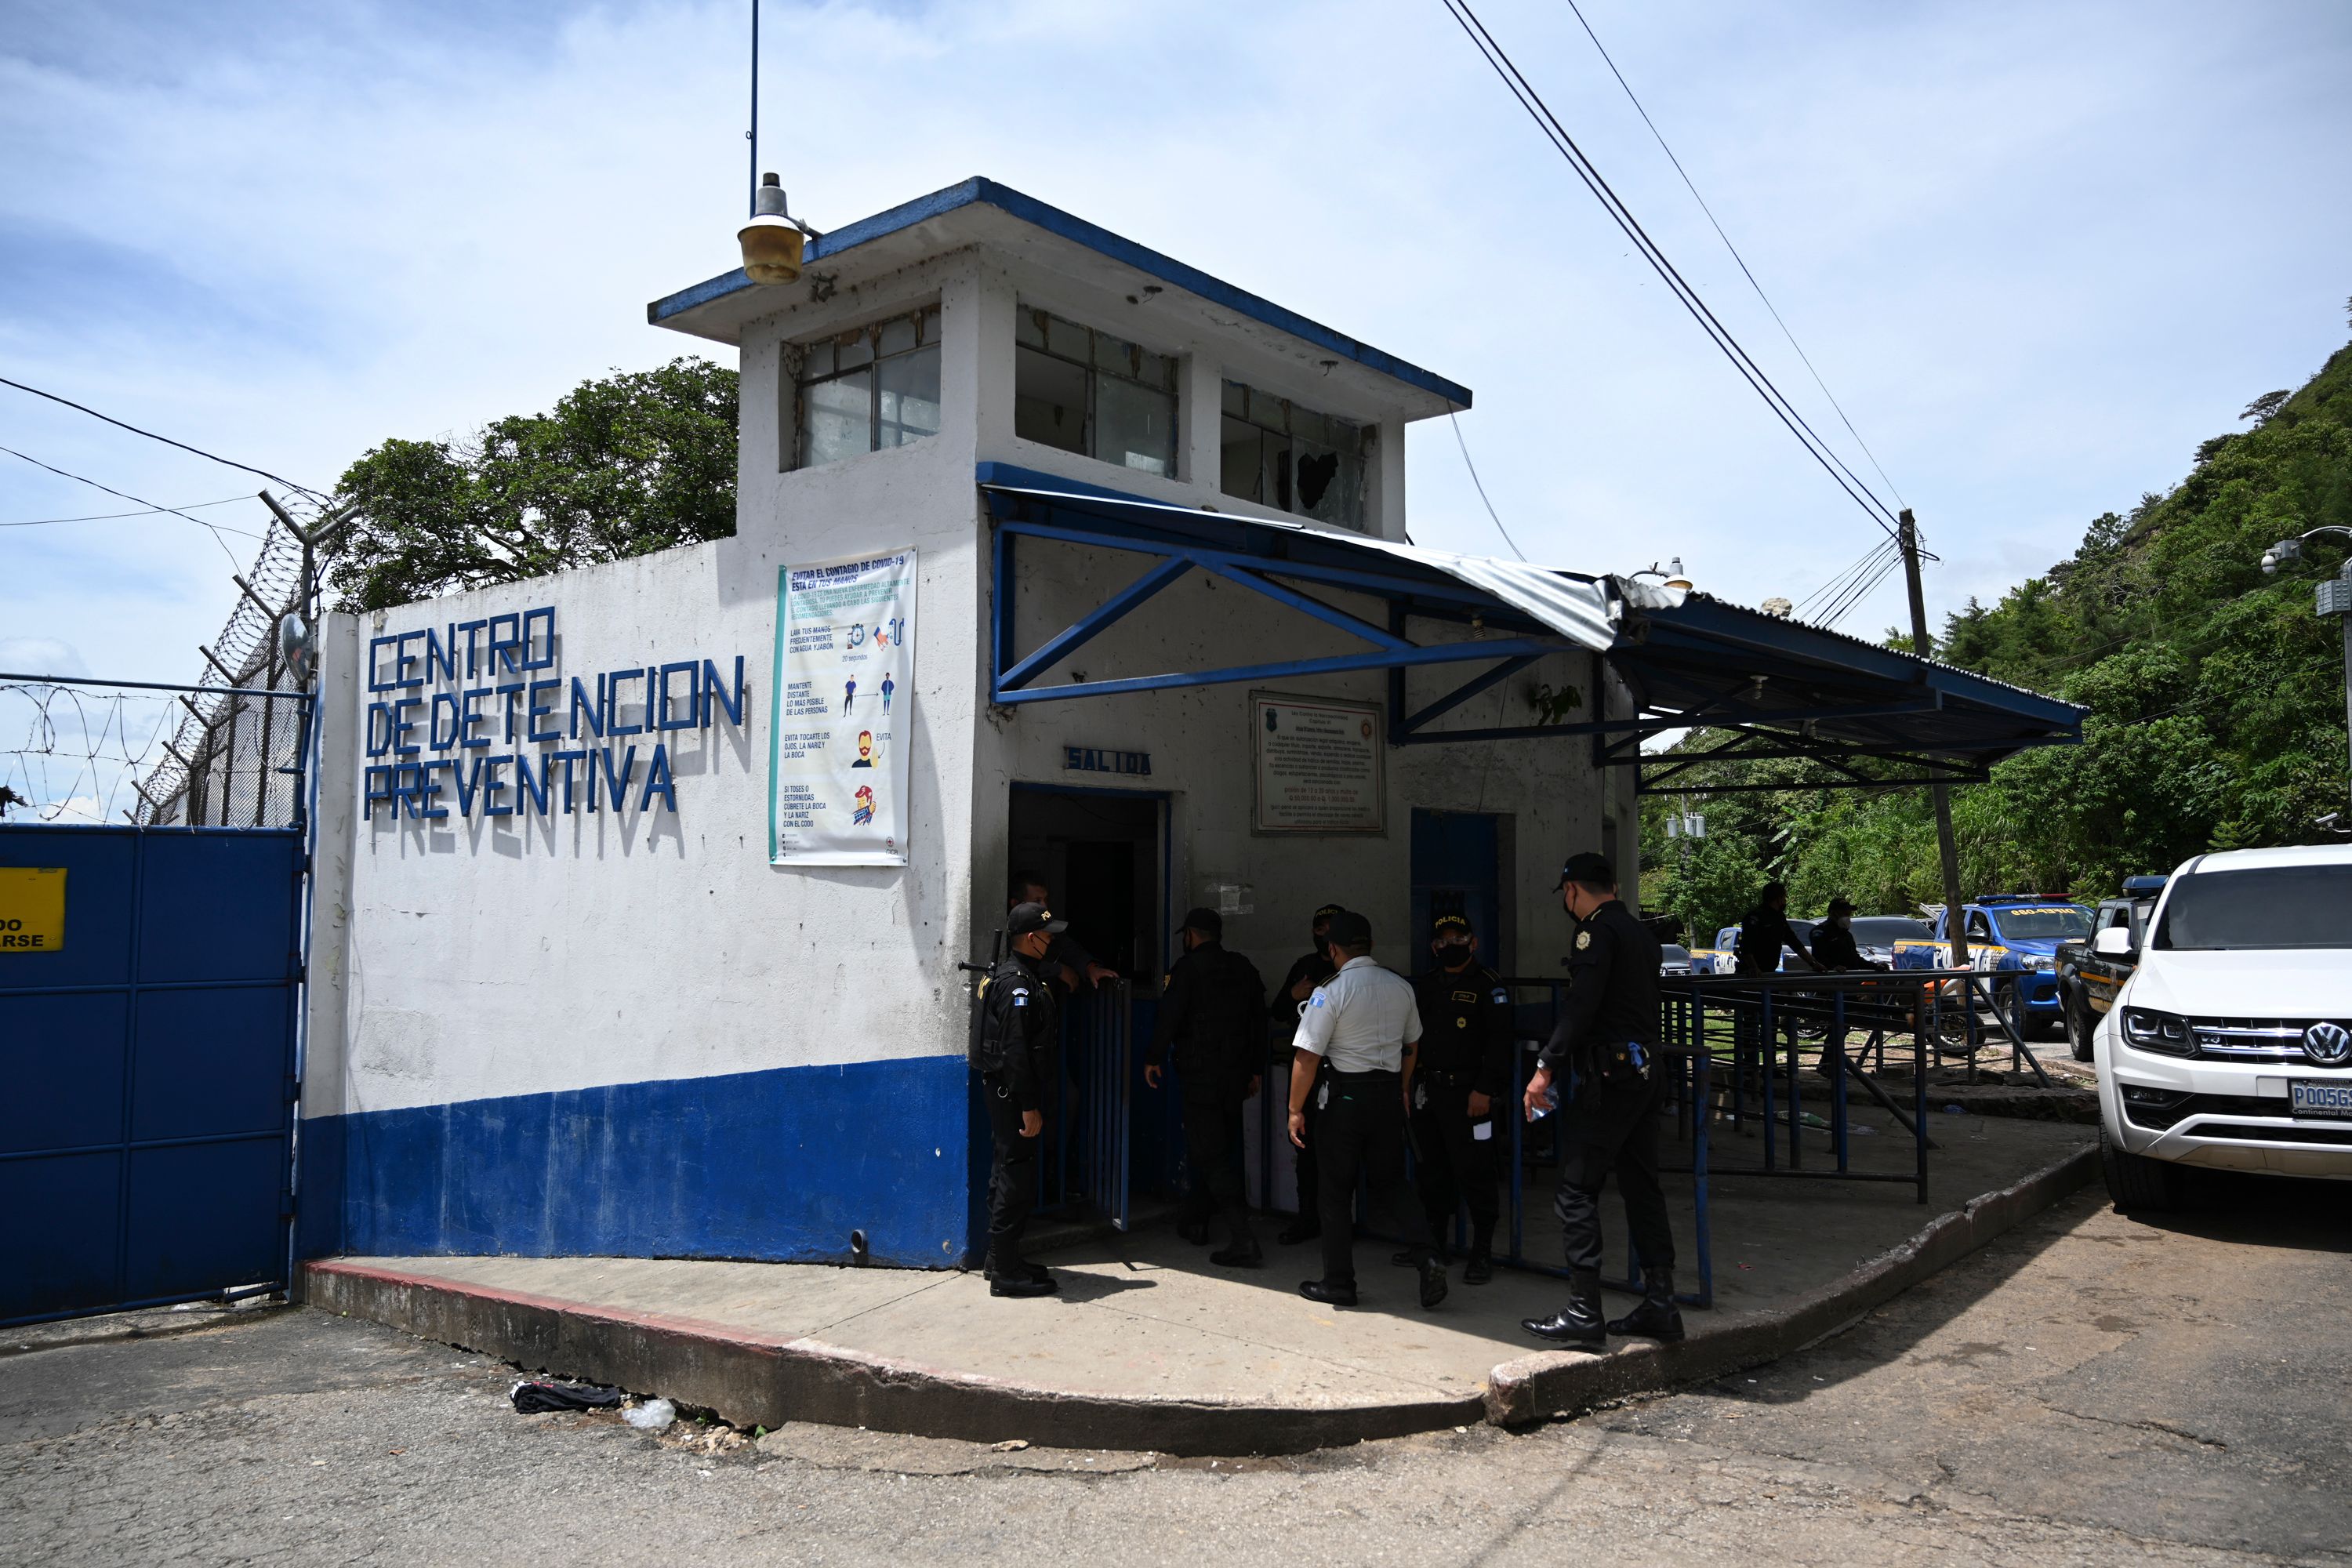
2329 1044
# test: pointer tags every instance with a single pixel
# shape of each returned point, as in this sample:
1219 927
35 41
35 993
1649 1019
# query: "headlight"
2150 1030
2045 963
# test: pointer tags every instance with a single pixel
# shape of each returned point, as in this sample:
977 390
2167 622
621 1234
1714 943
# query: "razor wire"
73 753
233 757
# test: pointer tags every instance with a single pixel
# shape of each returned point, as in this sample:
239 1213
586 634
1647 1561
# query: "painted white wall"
471 958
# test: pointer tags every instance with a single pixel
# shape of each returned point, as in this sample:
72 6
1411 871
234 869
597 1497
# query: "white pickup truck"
2231 1045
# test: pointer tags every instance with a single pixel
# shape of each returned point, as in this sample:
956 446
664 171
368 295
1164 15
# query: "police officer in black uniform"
1310 971
1016 1056
1465 1070
1833 945
1608 1038
1211 1018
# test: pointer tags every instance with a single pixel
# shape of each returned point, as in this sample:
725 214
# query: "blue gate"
147 1070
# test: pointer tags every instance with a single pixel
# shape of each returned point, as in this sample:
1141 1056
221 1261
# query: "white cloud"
2039 252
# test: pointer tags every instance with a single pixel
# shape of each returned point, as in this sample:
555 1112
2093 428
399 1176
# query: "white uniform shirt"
1360 1019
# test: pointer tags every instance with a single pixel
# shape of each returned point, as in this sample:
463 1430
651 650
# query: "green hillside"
2216 700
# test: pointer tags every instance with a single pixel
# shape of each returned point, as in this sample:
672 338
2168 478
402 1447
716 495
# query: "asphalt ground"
2087 1388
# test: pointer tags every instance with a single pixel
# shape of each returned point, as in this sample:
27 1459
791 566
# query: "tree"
636 462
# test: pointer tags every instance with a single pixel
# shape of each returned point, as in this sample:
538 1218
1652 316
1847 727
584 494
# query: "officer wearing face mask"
1464 1071
1016 1054
1834 944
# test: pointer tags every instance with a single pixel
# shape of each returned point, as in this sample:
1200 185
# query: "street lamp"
2332 597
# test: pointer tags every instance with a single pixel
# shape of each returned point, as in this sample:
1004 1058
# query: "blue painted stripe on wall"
777 1165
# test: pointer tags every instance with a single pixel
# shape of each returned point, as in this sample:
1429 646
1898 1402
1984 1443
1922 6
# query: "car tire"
2137 1183
2078 1026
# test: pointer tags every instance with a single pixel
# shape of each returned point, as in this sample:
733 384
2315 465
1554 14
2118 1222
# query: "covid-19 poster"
840 714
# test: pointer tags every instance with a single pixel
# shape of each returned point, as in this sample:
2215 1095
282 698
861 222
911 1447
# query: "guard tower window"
1279 453
864 390
1089 393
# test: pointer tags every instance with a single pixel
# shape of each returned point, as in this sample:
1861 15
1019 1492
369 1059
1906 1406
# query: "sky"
2038 251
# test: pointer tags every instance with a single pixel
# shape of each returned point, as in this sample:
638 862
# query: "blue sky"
2039 251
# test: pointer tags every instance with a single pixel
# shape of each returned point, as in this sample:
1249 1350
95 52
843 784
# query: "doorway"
1457 870
1102 855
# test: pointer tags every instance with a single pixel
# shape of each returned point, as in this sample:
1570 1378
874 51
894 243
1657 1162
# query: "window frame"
929 337
1092 366
1283 412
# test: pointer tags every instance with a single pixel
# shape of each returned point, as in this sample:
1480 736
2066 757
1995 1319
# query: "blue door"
146 1124
1456 872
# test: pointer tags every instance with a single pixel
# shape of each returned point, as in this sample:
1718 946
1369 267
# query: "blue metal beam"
1094 622
1371 634
1381 658
1459 695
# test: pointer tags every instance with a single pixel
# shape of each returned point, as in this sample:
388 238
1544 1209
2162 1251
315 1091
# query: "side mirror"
2113 942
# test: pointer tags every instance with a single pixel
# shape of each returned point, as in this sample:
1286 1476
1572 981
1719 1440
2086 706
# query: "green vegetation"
2215 699
625 465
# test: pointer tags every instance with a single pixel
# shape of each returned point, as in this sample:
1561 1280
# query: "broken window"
1090 393
873 387
1279 453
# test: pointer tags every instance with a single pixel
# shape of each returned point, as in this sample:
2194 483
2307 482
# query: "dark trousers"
1212 1158
1613 1129
1306 1164
1452 1167
1362 1134
1011 1176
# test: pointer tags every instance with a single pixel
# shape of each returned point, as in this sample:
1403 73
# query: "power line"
143 511
212 528
183 446
1548 124
1480 485
1742 260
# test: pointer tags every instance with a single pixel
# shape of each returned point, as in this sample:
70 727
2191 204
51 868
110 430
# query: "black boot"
1657 1317
1017 1277
1433 1282
1579 1325
1480 1269
1301 1228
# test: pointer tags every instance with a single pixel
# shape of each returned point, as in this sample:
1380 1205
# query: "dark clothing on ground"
1465 1045
1282 1012
1608 1036
1834 947
1362 1130
1018 1055
1762 934
1211 1024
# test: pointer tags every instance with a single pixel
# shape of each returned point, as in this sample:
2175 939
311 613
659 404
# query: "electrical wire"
211 528
183 446
1742 260
1515 82
1480 485
144 512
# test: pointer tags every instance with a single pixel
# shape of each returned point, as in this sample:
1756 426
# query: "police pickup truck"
2093 969
2015 938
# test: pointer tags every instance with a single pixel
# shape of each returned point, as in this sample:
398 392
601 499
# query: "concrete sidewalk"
1150 1346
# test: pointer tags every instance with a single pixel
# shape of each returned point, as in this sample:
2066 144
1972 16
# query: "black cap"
1589 868
1348 929
1445 923
1325 913
1205 920
1026 918
1840 905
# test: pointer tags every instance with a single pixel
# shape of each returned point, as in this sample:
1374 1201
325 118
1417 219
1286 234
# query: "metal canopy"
1770 688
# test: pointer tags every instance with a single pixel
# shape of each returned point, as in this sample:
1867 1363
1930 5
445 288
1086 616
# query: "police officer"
1764 931
1462 1068
1211 1014
1017 1056
1363 1024
1065 962
1834 944
1607 1036
1310 971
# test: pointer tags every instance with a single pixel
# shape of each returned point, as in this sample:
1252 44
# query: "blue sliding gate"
148 1070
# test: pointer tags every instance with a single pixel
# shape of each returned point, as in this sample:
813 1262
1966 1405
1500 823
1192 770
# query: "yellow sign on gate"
32 908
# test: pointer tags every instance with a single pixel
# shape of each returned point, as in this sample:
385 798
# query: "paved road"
2087 1389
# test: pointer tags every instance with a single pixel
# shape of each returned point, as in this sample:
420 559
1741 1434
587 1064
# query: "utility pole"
1955 928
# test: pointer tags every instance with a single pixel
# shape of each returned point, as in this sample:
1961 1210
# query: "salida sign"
525 740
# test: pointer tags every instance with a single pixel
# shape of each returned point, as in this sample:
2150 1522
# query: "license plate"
2315 1098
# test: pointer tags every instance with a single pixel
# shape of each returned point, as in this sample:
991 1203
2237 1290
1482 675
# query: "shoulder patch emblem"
1583 940
1020 998
1315 1000
1501 995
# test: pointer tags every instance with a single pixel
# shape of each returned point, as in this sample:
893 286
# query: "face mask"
1453 954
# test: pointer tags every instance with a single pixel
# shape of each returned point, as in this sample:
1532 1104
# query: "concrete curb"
752 1381
1565 1382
